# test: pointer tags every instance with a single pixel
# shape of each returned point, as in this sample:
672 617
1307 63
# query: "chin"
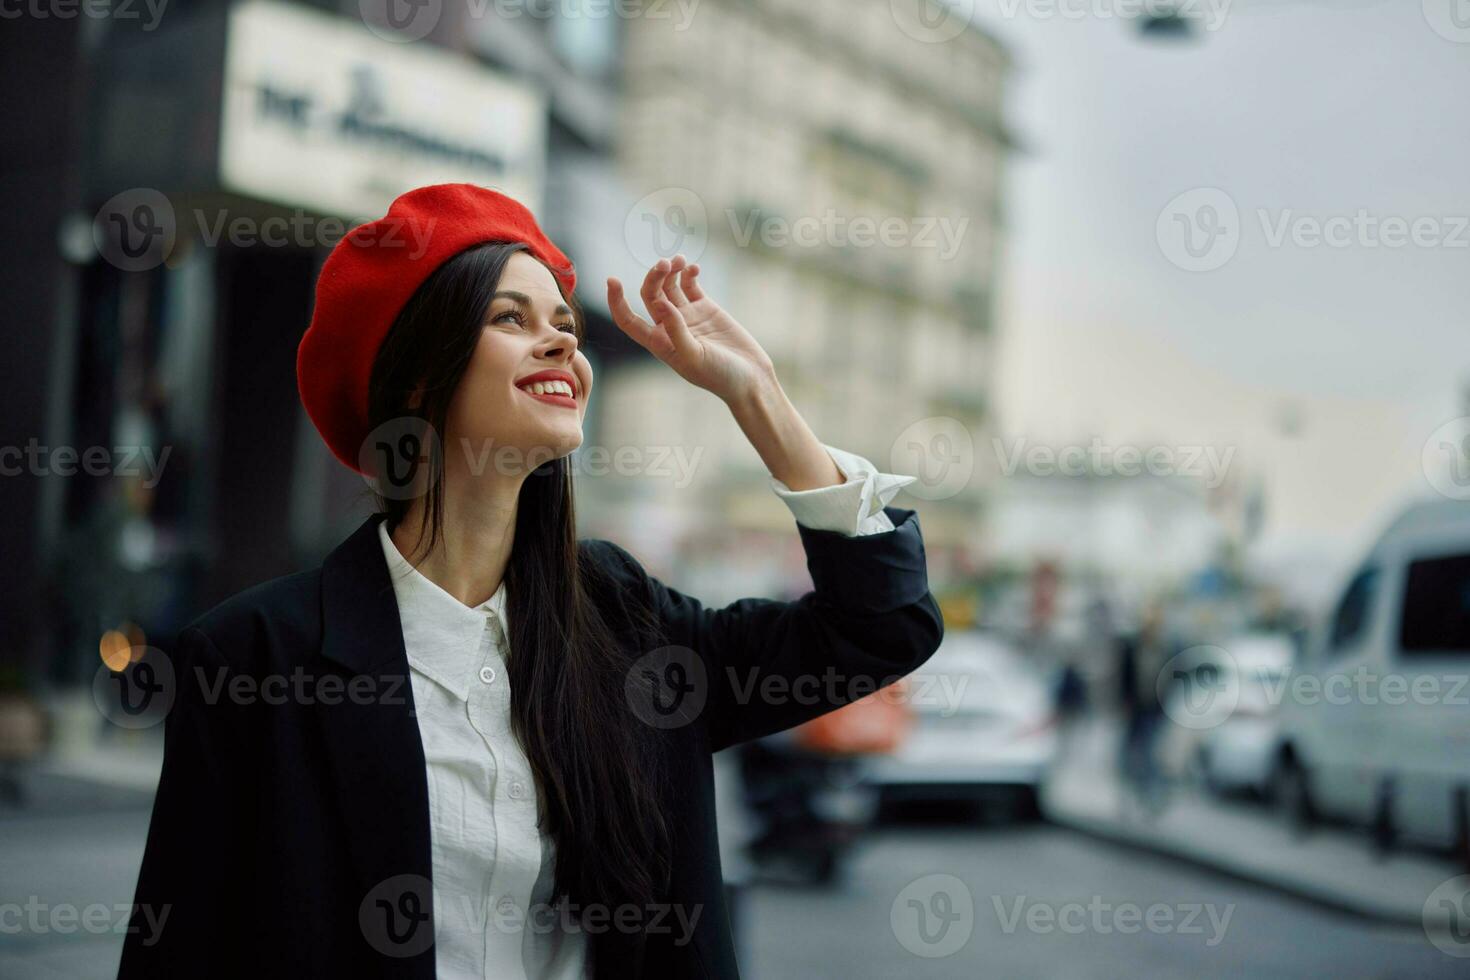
561 442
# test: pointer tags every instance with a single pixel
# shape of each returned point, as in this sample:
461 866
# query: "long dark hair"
596 764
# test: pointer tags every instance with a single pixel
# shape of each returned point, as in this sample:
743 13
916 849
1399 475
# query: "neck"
469 559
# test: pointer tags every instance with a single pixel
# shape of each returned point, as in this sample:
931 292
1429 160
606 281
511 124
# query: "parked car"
984 725
1239 754
1375 728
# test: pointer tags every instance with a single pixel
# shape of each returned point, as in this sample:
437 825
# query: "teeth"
549 388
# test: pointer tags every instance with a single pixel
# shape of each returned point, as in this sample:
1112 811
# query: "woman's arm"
781 436
854 507
759 666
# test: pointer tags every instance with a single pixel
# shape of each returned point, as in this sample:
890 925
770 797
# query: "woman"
471 744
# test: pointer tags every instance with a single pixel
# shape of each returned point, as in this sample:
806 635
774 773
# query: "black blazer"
287 828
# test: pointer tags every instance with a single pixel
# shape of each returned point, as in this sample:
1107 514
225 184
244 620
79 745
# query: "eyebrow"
562 309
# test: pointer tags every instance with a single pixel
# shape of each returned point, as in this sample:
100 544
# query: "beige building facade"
839 178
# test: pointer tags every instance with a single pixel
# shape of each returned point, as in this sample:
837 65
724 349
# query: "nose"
561 346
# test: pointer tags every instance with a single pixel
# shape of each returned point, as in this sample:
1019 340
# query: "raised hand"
690 332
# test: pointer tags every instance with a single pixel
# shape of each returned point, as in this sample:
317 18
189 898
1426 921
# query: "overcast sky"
1300 109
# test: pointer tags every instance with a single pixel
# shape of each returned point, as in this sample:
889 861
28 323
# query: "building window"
587 41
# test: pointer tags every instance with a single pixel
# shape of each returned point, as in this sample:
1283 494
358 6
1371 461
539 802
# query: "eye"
516 317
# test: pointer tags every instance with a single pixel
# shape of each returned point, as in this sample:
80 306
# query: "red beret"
369 277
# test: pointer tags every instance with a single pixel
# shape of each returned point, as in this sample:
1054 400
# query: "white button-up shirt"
492 867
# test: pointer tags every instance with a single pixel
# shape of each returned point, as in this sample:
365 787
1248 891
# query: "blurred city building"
187 178
192 171
1139 533
763 139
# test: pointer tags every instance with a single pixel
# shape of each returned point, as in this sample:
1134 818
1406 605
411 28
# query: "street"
794 933
1045 902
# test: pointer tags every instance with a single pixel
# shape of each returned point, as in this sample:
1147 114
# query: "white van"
1375 721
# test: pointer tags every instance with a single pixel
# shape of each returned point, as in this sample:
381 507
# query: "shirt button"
487 674
517 790
507 905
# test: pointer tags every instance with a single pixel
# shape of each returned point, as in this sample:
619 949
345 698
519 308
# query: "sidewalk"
1333 868
126 760
70 849
115 773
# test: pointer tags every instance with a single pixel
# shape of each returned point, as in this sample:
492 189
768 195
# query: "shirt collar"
441 635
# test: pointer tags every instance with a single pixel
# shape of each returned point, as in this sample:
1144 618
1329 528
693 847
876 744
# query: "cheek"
588 383
485 389
492 366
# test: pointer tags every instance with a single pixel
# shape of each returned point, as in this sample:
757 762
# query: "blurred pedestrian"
1070 693
1141 656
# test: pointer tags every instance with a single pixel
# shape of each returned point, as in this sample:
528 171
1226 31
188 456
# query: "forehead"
523 274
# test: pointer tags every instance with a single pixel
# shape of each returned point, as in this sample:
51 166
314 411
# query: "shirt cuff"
854 507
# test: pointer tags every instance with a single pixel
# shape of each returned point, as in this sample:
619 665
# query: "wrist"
782 439
760 400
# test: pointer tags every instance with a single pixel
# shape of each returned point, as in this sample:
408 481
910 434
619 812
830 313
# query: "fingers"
668 316
665 278
668 307
663 297
671 281
653 284
689 281
629 322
